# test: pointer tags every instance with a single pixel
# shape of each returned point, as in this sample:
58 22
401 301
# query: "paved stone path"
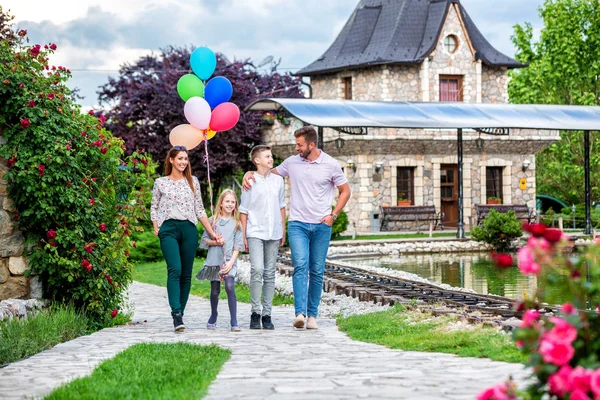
280 364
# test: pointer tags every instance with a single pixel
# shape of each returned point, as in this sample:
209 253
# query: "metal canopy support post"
320 137
588 198
461 226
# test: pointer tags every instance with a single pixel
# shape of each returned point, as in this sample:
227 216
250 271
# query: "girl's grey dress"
214 259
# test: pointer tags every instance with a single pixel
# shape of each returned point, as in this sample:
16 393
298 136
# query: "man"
262 213
314 175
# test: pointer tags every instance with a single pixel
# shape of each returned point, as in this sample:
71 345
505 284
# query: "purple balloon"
197 112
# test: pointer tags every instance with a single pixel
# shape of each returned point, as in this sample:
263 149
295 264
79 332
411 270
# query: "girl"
176 209
228 226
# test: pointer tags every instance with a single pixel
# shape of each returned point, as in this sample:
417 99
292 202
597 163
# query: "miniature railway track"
372 286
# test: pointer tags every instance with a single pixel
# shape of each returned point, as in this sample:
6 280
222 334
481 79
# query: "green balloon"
190 85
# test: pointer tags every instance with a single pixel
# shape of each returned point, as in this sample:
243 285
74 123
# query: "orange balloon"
186 135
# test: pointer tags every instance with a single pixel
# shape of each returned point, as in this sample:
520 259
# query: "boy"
262 212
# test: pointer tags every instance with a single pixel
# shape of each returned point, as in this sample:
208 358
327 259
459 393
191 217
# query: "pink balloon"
197 112
186 135
224 117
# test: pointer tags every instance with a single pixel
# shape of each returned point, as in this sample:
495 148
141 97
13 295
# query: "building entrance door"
449 194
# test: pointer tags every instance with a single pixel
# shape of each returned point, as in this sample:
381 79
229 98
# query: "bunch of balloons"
207 107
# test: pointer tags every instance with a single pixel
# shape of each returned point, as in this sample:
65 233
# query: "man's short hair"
256 150
309 133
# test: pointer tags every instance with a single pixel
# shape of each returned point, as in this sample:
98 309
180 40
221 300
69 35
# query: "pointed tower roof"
398 32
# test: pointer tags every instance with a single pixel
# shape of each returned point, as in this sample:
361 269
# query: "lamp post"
573 208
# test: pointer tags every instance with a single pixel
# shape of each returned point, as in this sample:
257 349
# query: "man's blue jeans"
309 244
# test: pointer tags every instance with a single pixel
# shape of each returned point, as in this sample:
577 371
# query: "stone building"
419 51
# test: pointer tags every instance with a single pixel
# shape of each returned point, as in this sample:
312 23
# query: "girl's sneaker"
236 329
211 327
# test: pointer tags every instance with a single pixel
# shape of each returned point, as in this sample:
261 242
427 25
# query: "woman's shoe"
211 327
236 329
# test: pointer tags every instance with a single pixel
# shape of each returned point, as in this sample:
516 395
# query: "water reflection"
472 271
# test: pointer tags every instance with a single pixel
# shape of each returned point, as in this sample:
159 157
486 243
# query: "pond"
467 270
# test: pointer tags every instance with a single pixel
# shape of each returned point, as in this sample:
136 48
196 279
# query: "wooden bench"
522 212
411 214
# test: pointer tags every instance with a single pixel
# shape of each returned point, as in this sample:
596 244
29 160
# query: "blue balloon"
217 91
203 62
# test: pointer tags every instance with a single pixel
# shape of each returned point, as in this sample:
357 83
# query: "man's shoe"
255 321
312 323
299 321
266 322
178 322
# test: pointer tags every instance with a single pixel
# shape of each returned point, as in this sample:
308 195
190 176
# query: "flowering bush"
76 198
564 345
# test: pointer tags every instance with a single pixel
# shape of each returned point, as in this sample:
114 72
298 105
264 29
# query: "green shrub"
76 197
499 230
340 225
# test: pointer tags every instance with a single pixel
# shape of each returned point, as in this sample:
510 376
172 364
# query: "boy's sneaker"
266 322
255 321
178 322
299 321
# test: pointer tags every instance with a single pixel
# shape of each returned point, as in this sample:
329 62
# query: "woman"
175 211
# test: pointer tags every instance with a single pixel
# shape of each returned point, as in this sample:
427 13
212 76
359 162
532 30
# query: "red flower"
92 201
127 254
89 247
134 244
31 103
145 162
91 112
25 123
22 32
69 147
114 313
51 234
103 150
51 96
52 243
83 134
502 260
102 227
537 230
41 169
53 46
35 50
21 85
11 162
127 233
86 265
109 279
552 235
98 143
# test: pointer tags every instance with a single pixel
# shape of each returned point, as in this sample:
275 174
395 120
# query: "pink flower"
91 112
498 392
86 265
559 382
579 394
562 331
103 150
114 313
25 123
31 103
51 96
102 119
69 147
580 378
568 309
102 227
51 234
556 353
53 46
595 382
538 243
41 169
526 261
35 50
22 32
92 201
529 318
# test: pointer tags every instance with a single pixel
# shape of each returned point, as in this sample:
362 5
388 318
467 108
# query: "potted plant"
268 118
403 200
494 200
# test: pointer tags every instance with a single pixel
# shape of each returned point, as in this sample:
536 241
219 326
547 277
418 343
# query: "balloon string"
212 210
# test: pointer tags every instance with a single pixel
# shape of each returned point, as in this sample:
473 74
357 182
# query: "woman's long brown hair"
187 172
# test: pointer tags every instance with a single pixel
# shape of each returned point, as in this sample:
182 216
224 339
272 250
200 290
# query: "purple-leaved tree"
144 107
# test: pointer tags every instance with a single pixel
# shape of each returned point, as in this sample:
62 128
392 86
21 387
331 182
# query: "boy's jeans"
309 244
263 257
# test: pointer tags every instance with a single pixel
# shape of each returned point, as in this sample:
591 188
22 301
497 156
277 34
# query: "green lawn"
412 330
150 371
156 274
21 338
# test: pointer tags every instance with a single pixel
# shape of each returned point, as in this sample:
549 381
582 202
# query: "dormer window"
451 44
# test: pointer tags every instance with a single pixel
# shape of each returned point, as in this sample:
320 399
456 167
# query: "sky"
95 38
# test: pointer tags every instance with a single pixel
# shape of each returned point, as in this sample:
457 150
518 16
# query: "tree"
564 68
6 22
146 106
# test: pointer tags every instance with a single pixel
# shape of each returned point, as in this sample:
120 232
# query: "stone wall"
13 283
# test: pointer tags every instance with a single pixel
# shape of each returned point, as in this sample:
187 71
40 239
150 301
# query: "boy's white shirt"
262 204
